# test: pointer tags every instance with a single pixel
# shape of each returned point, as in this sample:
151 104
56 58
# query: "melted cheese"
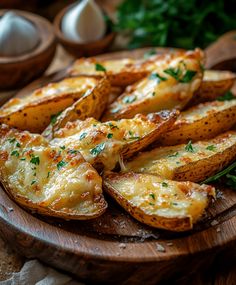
103 142
217 75
151 95
164 198
48 176
66 87
165 161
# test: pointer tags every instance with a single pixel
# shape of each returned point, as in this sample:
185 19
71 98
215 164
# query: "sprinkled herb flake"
129 99
12 140
35 160
23 158
176 73
152 195
18 144
211 147
61 164
33 182
132 137
15 153
188 76
48 174
173 155
54 118
62 147
112 126
73 151
226 97
99 67
97 149
82 136
164 184
151 204
109 136
158 77
189 147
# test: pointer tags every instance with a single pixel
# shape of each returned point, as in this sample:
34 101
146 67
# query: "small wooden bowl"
17 71
76 49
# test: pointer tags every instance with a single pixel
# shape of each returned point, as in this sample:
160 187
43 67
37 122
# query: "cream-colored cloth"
35 273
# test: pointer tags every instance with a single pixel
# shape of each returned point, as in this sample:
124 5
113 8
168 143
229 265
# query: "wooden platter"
116 249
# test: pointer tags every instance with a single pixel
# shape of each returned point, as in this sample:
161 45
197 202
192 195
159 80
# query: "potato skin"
203 126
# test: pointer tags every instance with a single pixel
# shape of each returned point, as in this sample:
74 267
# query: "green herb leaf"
164 184
18 144
99 67
23 158
54 118
112 126
33 182
48 174
82 136
15 153
211 147
157 77
109 136
12 140
226 97
97 149
189 147
173 72
129 99
73 151
151 204
62 147
61 164
188 76
35 160
173 155
152 195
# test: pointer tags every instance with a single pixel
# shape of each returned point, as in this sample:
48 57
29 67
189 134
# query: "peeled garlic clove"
84 22
17 35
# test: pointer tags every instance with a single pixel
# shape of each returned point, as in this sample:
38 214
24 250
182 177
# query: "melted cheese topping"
217 75
66 87
153 94
164 198
204 110
88 66
164 161
103 142
48 176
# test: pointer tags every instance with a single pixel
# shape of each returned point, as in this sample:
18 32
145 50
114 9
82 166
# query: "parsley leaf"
33 182
82 136
189 147
62 147
211 147
226 97
173 72
158 77
112 126
15 153
97 149
61 164
35 160
188 76
152 195
129 99
173 155
54 118
109 136
164 184
12 140
99 67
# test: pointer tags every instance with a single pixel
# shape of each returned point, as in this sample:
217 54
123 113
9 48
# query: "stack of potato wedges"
144 131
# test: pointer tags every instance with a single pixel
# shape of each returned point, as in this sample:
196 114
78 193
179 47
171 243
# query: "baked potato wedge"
158 202
203 121
103 144
215 83
50 180
120 72
33 112
170 85
187 162
92 104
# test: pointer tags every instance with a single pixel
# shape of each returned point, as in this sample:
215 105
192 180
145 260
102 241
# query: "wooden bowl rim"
68 42
46 39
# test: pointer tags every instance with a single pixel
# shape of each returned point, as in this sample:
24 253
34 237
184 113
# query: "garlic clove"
17 35
84 22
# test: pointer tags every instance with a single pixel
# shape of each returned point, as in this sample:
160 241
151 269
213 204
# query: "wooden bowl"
17 71
76 49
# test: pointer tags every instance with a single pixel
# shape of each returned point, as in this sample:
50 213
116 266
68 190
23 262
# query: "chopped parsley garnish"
48 174
151 204
35 160
158 77
97 149
176 73
226 97
99 67
112 126
62 147
129 99
149 53
33 182
153 94
82 136
15 153
23 158
188 76
54 118
189 147
61 164
211 147
164 184
152 195
115 110
174 203
173 155
73 151
109 136
17 144
12 140
132 137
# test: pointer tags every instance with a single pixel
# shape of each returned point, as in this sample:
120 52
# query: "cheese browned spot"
49 179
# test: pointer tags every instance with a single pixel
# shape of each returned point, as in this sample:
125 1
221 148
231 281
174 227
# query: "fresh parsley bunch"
181 23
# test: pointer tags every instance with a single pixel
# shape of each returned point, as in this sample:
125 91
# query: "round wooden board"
114 248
